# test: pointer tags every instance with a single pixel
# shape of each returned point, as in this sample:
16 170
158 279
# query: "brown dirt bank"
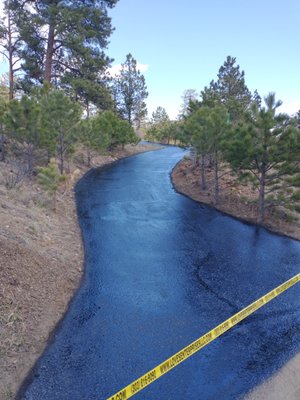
236 200
41 263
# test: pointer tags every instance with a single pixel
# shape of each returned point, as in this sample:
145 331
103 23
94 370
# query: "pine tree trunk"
61 165
10 60
49 53
129 116
88 157
30 157
261 199
2 147
216 170
61 154
203 180
54 201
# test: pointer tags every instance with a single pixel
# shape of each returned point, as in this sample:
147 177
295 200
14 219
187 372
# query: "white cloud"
115 69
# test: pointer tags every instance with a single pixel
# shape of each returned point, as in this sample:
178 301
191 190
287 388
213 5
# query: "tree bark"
89 158
261 199
203 179
61 154
61 165
216 170
49 53
10 59
2 146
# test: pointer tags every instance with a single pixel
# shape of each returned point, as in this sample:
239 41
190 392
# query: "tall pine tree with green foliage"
24 126
266 151
60 117
11 41
232 90
130 91
64 43
159 120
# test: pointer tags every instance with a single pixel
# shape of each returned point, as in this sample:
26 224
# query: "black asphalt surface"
161 270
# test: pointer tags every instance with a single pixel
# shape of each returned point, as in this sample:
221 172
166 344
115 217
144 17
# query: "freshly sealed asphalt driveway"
161 270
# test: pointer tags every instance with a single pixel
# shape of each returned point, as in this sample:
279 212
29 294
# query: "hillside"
235 199
41 265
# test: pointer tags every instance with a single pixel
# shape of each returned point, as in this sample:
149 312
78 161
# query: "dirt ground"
235 199
41 263
238 201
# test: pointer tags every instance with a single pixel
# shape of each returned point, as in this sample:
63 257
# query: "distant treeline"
229 126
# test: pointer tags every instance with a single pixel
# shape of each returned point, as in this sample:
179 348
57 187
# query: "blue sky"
182 45
185 43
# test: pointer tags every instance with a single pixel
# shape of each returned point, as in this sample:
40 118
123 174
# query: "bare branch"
5 55
254 173
15 62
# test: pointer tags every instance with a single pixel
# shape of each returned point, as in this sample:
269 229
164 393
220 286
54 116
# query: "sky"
181 45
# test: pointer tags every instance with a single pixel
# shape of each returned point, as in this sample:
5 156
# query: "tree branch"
5 55
67 66
15 62
254 173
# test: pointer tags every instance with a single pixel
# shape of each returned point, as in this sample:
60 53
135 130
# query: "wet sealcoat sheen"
162 270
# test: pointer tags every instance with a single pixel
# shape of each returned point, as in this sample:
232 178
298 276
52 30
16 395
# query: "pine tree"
266 150
196 128
232 90
3 116
60 118
210 96
130 91
159 120
49 178
64 41
96 134
121 131
229 90
189 96
23 122
207 128
10 41
106 130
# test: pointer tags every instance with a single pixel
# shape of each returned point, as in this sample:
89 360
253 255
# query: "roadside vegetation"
61 113
58 94
237 136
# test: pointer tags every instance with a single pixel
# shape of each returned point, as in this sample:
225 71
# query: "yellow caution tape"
198 344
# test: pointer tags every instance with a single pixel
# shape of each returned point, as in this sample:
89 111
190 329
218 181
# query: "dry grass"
41 263
235 199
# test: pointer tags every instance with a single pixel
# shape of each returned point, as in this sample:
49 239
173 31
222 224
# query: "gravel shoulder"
284 385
